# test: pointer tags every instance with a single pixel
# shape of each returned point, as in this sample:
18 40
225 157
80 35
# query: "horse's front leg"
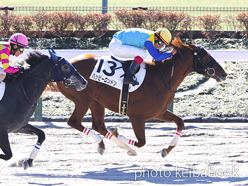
4 145
75 122
97 112
29 129
138 124
170 117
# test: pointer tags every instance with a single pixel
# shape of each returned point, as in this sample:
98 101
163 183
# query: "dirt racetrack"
207 154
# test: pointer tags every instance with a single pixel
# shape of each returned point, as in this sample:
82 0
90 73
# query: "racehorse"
149 101
22 92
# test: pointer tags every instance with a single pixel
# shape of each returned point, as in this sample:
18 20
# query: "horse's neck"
181 70
34 87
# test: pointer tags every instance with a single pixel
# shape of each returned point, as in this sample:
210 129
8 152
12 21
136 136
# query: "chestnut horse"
149 101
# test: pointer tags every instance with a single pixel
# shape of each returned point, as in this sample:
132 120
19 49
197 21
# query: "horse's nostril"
224 75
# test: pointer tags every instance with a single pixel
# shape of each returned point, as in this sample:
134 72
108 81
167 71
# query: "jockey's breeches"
118 50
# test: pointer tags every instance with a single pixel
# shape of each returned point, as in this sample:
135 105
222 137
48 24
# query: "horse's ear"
53 51
53 55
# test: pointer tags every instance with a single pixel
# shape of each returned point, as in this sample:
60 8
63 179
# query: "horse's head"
65 73
205 64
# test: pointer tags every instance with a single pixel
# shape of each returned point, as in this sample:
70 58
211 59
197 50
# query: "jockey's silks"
143 39
5 49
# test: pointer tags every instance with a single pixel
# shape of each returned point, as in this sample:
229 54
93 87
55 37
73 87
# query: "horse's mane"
175 43
35 57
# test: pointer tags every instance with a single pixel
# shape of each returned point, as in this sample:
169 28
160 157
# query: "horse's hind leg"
4 145
170 117
29 129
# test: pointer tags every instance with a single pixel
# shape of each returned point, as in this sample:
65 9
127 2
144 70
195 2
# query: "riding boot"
130 74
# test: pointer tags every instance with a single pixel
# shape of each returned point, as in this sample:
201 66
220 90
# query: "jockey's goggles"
160 42
21 49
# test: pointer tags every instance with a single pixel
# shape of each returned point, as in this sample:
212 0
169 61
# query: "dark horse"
22 93
149 101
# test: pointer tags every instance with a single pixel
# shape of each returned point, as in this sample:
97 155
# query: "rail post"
104 9
170 108
38 111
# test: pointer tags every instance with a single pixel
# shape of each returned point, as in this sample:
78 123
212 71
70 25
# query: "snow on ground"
207 154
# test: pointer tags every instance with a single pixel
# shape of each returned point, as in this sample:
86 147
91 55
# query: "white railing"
219 55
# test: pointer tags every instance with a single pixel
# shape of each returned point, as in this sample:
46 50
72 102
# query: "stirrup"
130 81
135 83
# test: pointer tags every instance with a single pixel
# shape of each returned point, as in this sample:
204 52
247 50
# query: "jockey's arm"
5 61
154 52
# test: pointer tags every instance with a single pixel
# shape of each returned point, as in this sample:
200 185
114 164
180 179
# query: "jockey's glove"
21 69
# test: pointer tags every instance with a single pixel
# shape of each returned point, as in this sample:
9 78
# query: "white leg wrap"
35 151
117 142
175 138
112 137
95 136
126 140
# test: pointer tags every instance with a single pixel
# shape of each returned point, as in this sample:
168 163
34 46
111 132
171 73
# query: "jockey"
133 43
15 46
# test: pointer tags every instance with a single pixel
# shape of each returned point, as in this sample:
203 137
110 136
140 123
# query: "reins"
55 66
25 94
172 70
34 77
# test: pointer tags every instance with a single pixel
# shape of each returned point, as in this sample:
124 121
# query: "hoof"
100 150
132 153
163 153
27 163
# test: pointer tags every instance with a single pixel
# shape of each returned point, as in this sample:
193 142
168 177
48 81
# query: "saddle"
111 71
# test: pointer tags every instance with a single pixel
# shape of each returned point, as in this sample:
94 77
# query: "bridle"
58 75
199 65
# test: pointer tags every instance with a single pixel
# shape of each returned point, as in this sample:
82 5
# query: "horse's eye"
206 58
66 67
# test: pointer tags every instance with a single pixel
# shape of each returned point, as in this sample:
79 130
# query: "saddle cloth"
110 72
2 89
